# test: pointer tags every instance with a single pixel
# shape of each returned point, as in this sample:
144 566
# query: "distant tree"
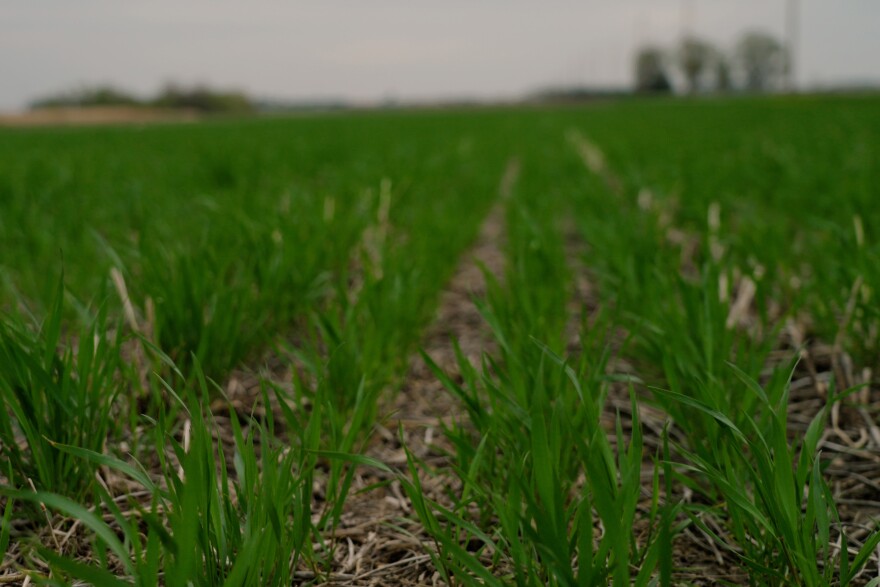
762 59
651 71
723 75
87 96
696 58
203 99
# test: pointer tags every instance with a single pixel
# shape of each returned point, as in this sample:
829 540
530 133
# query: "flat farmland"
624 343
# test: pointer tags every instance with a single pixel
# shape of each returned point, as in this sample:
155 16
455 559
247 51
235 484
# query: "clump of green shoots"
205 305
536 464
206 524
777 505
56 388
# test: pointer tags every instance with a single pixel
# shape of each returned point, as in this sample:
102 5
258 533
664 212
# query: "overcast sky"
407 49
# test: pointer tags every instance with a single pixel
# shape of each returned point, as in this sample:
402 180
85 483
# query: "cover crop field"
628 343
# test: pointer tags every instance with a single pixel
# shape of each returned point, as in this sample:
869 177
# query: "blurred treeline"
200 98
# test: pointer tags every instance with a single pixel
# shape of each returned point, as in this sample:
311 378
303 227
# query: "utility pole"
792 34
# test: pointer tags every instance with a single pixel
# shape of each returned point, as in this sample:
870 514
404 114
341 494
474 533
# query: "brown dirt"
95 116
